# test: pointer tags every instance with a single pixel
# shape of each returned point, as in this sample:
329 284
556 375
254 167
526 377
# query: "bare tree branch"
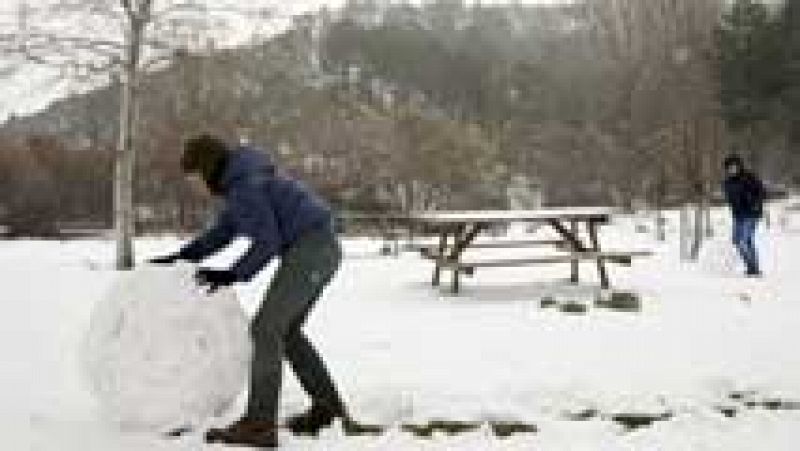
126 6
78 41
183 7
145 11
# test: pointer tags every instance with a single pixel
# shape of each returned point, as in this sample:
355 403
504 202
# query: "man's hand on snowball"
215 279
169 259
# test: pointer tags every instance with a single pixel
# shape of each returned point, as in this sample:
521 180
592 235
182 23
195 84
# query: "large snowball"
161 354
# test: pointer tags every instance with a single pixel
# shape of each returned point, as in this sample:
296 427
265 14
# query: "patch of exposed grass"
582 415
633 421
500 429
621 301
752 400
574 308
547 302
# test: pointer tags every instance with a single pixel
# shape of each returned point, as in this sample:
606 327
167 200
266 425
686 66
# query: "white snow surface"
403 352
161 354
719 257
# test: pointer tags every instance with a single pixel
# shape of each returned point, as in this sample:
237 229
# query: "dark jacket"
745 194
270 209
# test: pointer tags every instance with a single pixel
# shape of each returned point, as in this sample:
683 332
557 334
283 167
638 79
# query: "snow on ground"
403 351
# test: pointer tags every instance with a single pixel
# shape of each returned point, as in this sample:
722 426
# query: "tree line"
386 106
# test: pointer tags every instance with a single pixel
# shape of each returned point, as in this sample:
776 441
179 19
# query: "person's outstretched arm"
213 239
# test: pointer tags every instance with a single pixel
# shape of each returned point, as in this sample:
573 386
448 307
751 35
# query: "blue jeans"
304 272
744 230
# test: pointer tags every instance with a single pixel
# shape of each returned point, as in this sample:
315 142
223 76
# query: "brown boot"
262 434
313 420
319 417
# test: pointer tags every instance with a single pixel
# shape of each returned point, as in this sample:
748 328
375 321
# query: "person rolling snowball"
282 217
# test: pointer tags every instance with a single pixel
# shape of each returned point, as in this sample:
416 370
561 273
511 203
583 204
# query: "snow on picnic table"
405 352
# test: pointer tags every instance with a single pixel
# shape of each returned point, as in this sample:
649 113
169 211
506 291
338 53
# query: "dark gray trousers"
305 270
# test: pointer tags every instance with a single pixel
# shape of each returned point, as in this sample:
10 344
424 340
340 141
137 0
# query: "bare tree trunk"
698 186
126 151
686 238
709 220
661 225
712 160
684 234
697 234
661 194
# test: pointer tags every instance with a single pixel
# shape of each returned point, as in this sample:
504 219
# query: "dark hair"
734 160
206 155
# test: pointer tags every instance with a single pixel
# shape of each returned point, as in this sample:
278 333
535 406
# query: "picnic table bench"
458 231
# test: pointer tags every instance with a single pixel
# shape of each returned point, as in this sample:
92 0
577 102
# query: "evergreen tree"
750 50
790 69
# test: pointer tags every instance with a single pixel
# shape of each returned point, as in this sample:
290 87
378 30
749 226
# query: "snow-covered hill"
26 88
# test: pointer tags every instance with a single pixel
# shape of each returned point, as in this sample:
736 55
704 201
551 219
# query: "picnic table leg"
437 272
462 241
601 265
455 255
570 236
456 287
394 225
575 265
411 239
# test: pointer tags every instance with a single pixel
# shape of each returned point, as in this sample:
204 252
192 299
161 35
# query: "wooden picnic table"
457 231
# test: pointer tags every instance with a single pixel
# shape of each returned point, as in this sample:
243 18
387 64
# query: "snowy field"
405 352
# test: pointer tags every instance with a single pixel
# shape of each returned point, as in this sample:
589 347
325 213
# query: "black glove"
215 278
164 260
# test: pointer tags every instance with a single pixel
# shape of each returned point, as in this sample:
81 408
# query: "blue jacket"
745 194
272 210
